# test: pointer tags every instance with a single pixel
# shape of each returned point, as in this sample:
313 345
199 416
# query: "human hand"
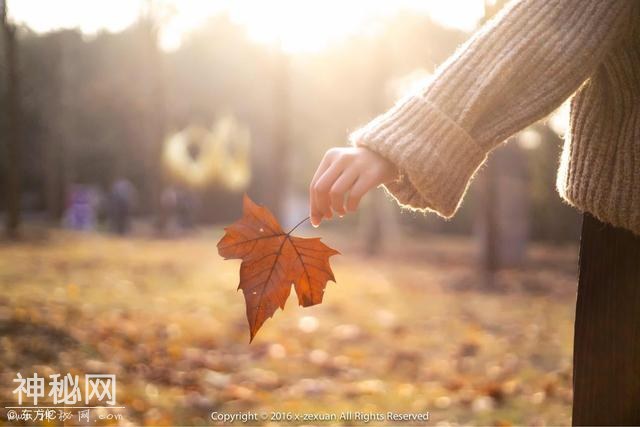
352 170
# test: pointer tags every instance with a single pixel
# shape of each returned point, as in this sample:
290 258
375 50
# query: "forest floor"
410 332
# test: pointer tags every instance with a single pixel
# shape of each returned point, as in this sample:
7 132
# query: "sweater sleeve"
515 70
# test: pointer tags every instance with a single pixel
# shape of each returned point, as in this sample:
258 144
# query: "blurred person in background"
515 70
80 213
185 209
121 201
178 208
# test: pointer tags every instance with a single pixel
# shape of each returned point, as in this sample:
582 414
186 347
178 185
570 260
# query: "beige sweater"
514 71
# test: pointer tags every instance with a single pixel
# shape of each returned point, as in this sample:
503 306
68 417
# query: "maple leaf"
271 261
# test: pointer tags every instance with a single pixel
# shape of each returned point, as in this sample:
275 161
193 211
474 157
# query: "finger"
359 189
314 212
340 188
323 186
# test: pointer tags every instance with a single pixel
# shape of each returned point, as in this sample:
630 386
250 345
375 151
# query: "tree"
13 135
59 150
489 198
375 225
156 114
281 130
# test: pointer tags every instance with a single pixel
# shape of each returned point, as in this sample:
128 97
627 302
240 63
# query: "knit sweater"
515 70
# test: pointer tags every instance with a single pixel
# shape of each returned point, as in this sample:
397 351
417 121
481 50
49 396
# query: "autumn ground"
410 332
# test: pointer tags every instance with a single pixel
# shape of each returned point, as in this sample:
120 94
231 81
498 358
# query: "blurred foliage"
88 105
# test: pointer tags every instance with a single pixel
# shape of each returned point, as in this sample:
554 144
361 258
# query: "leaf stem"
298 225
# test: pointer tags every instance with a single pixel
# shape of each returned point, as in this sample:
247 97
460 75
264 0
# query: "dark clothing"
606 358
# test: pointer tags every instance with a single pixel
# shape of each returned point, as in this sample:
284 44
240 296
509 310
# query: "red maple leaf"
271 261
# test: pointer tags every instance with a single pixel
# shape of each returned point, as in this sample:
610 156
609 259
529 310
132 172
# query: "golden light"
295 25
559 119
198 156
304 25
188 155
87 16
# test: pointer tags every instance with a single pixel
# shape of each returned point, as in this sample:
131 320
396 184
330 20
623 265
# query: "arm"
513 71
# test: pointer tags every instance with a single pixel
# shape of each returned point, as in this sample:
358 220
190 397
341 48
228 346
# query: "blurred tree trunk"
375 225
281 155
13 137
156 115
513 216
502 226
159 129
487 228
59 163
489 237
54 194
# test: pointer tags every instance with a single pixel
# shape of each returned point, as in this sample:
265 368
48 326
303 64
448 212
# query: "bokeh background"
129 132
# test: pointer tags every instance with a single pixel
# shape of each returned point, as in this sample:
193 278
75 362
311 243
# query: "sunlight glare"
299 26
88 16
294 25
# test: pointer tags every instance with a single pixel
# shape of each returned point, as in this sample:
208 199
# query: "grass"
409 332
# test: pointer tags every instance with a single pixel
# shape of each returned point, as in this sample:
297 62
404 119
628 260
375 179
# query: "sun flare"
294 25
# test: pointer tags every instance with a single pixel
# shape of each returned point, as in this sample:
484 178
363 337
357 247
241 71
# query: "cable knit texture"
515 70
